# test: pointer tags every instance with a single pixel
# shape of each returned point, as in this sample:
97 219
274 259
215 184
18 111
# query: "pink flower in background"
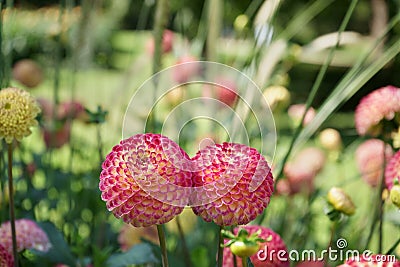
296 112
167 42
146 180
224 90
392 170
381 104
29 236
264 257
186 67
232 184
300 173
6 258
370 159
376 260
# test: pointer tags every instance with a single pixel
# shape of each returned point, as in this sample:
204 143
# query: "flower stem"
161 237
220 247
244 262
185 249
11 202
381 201
333 230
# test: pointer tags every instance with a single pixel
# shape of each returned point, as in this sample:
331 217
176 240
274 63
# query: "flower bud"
395 195
341 201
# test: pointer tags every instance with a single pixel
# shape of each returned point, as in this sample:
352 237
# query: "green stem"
12 211
57 61
214 28
392 248
3 82
220 254
161 237
381 201
160 22
333 230
316 85
244 262
378 211
185 249
99 142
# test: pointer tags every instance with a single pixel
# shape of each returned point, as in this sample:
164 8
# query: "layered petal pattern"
232 184
146 180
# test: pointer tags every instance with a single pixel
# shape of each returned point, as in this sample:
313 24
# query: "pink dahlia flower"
146 180
392 170
232 184
370 160
381 104
6 258
267 256
29 236
372 261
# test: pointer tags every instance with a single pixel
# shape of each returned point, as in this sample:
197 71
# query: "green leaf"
59 252
139 254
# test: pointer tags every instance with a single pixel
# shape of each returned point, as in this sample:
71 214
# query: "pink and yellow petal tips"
146 180
232 184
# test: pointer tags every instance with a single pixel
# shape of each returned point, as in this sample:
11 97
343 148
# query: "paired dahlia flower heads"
148 179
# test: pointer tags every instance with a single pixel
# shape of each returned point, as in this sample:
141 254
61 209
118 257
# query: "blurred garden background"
84 60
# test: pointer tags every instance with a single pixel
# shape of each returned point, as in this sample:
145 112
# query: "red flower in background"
6 259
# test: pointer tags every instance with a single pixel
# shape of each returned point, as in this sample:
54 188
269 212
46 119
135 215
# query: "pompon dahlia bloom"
296 112
392 170
381 104
232 184
29 236
18 111
146 180
6 258
130 236
369 158
264 257
376 260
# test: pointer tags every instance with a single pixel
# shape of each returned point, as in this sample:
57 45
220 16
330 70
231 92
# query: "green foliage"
139 254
